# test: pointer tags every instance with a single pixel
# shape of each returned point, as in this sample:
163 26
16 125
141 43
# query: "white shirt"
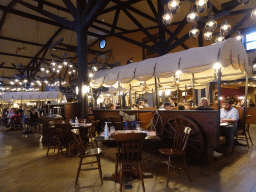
231 114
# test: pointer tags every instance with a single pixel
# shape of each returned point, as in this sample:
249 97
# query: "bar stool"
244 134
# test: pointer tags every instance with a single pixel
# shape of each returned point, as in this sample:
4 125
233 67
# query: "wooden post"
185 93
194 91
157 100
219 94
153 99
246 94
130 96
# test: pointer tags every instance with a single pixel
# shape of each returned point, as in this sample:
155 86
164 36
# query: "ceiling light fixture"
208 35
239 36
201 5
225 28
211 24
194 32
174 6
244 2
253 15
192 17
167 17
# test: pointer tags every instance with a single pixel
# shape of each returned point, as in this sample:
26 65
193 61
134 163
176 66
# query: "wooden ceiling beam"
115 21
6 11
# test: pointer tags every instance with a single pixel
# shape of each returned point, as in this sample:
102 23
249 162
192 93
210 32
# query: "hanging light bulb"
53 69
45 81
25 80
16 80
219 38
53 63
57 71
11 82
174 6
253 15
74 71
239 36
70 65
194 32
225 28
244 2
208 35
47 71
167 17
90 75
20 83
211 24
192 16
65 63
201 5
42 68
59 66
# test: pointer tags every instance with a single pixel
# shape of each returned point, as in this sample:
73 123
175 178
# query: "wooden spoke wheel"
195 144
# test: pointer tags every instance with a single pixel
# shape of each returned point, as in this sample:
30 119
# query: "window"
250 41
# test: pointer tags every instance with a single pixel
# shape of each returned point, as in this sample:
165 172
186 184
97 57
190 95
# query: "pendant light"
239 36
47 71
211 24
194 32
219 38
201 5
167 17
225 28
59 66
244 2
53 63
69 72
208 35
42 69
192 17
174 6
253 15
65 63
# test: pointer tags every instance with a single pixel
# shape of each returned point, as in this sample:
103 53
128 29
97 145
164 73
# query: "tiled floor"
24 167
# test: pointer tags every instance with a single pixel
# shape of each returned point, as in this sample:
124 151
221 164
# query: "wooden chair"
53 137
129 150
65 137
178 148
84 153
244 133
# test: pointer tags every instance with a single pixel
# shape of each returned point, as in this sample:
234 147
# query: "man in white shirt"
229 115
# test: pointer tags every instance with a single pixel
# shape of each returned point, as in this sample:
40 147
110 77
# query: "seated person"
167 106
141 104
15 120
204 104
112 106
135 107
181 106
230 115
146 103
187 105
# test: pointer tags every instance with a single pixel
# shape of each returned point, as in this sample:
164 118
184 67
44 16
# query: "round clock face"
103 43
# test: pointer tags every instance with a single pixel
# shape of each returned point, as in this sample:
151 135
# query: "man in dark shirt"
204 104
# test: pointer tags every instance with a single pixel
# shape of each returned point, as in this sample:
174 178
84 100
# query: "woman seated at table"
112 106
33 118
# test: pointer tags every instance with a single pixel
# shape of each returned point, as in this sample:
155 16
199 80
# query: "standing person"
230 115
20 111
33 119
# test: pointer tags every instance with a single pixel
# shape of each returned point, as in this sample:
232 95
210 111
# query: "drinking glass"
112 129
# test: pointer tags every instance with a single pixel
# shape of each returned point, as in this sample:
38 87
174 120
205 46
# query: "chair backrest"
181 138
146 119
64 133
79 144
130 145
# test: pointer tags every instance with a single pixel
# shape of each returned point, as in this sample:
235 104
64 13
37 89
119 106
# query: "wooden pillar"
82 70
246 94
219 94
130 96
178 97
185 93
194 91
156 90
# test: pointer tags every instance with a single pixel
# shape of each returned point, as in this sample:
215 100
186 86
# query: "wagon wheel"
195 144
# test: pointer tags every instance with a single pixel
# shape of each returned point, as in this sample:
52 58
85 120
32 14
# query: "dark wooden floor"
24 167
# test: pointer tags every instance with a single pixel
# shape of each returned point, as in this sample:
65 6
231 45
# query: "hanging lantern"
174 6
65 63
25 80
239 36
74 71
42 68
53 69
208 35
57 71
194 32
244 2
167 17
211 24
53 63
59 66
70 65
201 5
253 15
12 82
69 72
47 71
225 28
219 38
192 17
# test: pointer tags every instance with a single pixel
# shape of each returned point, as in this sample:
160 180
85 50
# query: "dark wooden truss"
85 16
